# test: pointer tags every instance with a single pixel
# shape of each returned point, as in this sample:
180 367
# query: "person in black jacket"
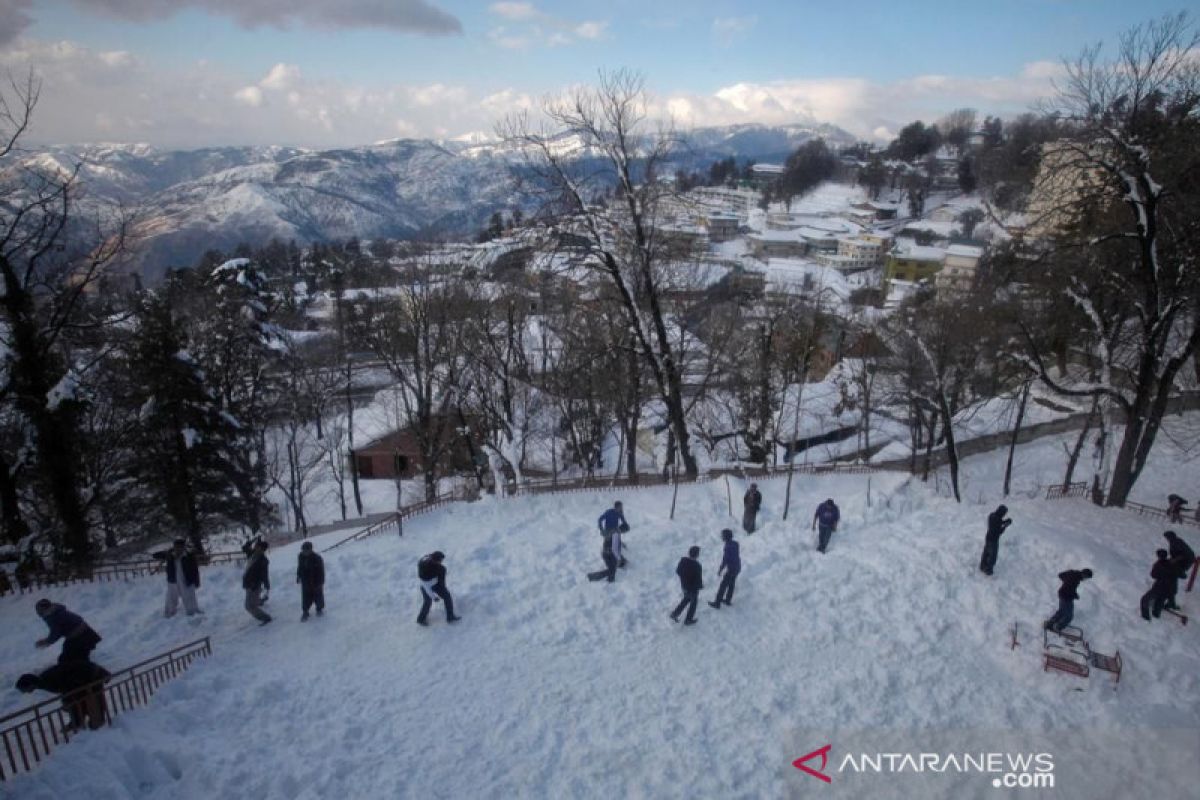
310 574
1067 595
731 565
256 579
751 504
1165 577
691 580
79 640
996 525
432 573
1182 558
183 578
81 684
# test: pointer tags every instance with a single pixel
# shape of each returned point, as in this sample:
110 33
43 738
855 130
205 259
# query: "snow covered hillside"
554 687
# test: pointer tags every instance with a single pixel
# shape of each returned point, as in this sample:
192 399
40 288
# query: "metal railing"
28 736
1059 490
104 572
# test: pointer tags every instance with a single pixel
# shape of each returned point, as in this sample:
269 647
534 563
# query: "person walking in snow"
996 525
81 685
826 518
1067 595
310 574
612 524
691 581
183 578
1165 577
751 504
1182 557
432 574
731 565
1175 507
78 638
256 579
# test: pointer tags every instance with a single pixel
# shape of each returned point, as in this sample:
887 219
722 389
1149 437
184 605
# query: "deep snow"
556 687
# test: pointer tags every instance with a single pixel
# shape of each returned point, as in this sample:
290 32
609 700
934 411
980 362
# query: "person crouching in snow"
79 640
432 574
256 579
1067 595
183 578
310 574
691 581
81 685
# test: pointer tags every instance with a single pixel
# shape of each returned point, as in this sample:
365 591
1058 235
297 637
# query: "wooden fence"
27 736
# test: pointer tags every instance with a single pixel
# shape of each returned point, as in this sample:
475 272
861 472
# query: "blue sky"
339 72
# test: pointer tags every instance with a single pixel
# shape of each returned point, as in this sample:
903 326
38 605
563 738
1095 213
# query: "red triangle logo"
824 754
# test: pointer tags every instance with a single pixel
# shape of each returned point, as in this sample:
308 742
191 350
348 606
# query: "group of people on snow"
612 525
1171 566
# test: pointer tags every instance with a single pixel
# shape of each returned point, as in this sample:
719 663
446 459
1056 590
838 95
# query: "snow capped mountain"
216 198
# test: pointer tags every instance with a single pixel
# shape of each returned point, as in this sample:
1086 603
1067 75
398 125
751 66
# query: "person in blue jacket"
731 565
826 517
79 640
612 524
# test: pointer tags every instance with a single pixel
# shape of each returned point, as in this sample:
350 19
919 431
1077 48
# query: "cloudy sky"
323 73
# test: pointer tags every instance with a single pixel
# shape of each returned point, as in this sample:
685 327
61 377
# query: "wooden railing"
27 736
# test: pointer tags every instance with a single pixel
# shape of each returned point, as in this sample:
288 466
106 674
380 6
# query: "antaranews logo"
1005 770
823 752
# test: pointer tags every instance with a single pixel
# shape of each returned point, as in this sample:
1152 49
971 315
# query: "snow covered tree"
1120 186
185 438
235 342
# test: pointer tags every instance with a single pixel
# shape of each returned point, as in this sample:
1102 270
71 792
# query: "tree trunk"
951 446
14 526
1016 433
1073 457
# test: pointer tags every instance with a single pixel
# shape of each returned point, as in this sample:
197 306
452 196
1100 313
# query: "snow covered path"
556 687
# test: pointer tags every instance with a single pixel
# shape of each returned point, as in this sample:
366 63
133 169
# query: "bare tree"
48 258
418 334
1120 185
626 240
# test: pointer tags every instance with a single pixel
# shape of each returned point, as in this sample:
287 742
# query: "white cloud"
591 30
727 30
515 11
526 26
249 96
281 77
104 96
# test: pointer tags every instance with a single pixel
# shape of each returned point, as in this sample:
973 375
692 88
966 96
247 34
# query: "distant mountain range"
197 200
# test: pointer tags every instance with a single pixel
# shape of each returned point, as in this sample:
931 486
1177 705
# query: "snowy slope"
556 687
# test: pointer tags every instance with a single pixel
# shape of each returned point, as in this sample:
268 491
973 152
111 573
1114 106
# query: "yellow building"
913 262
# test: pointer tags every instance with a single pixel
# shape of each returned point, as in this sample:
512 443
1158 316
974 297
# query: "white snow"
552 686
